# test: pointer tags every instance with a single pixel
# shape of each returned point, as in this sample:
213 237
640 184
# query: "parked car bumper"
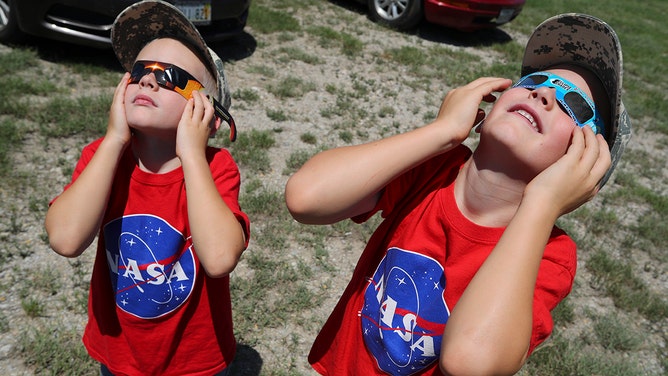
89 22
471 15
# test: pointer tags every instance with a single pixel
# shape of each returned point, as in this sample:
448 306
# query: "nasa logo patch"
404 312
150 272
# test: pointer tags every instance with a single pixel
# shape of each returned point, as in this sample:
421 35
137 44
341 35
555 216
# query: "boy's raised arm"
74 218
343 182
217 235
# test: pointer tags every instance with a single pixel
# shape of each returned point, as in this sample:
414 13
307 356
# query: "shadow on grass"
235 48
247 362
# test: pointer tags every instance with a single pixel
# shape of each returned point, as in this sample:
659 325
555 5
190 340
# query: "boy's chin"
510 159
152 130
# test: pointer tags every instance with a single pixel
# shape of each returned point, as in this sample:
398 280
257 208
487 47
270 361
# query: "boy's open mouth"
530 118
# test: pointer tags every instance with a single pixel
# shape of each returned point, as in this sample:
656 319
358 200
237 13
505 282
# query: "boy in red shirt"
462 274
164 204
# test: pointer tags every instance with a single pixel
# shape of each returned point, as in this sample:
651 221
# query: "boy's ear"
215 125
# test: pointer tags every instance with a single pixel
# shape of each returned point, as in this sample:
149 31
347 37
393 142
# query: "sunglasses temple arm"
222 113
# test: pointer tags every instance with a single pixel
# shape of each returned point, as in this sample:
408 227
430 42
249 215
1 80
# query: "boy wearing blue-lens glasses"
467 265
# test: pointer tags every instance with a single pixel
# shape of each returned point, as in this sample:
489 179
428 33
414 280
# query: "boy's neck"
155 155
486 197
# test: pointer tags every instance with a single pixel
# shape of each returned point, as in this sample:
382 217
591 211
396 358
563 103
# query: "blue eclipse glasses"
571 99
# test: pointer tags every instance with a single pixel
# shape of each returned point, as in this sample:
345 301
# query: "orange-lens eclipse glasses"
173 78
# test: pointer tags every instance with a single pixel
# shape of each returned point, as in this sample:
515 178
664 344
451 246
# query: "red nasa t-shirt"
152 310
391 317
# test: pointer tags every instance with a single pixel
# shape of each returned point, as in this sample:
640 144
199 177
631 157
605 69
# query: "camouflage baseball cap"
145 21
588 42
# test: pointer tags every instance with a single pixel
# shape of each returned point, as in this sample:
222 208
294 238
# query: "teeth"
530 118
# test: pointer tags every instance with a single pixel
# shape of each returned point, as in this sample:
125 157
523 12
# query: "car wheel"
9 27
397 14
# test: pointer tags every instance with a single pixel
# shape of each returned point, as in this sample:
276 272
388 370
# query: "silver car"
88 22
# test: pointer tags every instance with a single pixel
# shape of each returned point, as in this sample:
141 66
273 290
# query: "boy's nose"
546 95
149 80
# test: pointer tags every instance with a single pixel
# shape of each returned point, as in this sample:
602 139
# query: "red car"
464 15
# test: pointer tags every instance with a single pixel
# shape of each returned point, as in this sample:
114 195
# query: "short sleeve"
226 176
86 155
554 282
417 181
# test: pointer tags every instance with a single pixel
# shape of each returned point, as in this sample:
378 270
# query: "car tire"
9 26
396 14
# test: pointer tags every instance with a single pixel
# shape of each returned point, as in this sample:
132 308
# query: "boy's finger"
591 147
604 159
188 110
207 107
197 102
577 146
489 85
122 85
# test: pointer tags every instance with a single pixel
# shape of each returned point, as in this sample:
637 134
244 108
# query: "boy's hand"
574 178
118 127
196 125
461 110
